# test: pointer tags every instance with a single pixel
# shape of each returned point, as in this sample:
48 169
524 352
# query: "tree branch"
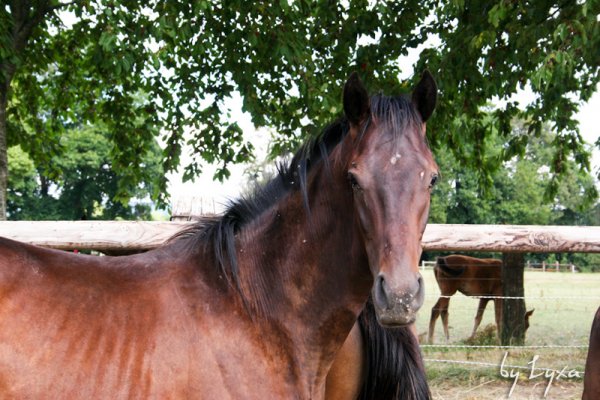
61 5
24 26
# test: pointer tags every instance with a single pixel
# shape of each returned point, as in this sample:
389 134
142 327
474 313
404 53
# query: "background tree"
519 191
288 61
86 186
518 194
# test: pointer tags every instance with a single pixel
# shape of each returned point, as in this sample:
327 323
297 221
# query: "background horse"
591 379
472 277
377 363
252 304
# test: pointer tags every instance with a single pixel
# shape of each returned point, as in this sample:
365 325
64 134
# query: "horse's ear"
528 313
356 100
424 96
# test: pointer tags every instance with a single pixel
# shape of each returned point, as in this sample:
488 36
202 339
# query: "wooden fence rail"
127 235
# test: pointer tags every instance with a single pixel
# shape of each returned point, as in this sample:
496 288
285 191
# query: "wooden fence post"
513 310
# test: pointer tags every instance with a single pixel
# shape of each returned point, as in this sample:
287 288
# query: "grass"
556 321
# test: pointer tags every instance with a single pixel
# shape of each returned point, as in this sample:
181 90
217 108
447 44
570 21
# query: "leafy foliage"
86 187
518 194
288 61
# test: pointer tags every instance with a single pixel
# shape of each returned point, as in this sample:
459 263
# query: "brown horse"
591 379
472 277
252 304
377 363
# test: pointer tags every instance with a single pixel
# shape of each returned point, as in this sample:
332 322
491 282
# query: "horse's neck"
294 254
307 271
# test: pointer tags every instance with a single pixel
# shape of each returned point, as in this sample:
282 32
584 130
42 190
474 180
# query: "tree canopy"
143 67
518 195
85 188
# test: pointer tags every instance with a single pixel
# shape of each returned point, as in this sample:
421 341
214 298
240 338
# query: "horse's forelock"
397 113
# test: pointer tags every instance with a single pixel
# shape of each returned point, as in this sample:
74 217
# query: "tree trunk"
513 310
3 153
25 17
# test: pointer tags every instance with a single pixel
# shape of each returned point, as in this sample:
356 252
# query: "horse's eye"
353 181
434 180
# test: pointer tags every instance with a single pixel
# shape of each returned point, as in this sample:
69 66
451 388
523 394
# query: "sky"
215 195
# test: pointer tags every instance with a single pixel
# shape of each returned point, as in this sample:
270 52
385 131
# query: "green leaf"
146 67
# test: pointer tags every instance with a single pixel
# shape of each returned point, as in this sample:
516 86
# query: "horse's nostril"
380 296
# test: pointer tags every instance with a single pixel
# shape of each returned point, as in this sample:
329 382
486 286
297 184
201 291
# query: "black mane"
395 114
394 365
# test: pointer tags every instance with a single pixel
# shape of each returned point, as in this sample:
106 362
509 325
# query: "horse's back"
43 276
470 275
468 264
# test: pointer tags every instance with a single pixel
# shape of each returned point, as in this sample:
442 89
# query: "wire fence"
521 297
474 346
573 371
530 266
559 332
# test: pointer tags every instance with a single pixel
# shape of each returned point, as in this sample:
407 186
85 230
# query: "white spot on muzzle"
395 158
422 174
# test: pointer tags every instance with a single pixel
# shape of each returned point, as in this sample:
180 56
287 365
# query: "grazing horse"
591 379
377 363
472 277
252 304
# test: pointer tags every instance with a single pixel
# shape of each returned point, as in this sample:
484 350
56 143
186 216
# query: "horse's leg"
346 375
440 308
435 313
498 310
444 315
482 304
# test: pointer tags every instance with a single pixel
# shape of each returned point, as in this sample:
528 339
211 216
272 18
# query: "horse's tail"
394 366
441 265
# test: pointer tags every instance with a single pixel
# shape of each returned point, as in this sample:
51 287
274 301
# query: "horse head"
391 172
526 318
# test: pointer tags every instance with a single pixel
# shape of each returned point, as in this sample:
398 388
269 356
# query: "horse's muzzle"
397 305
